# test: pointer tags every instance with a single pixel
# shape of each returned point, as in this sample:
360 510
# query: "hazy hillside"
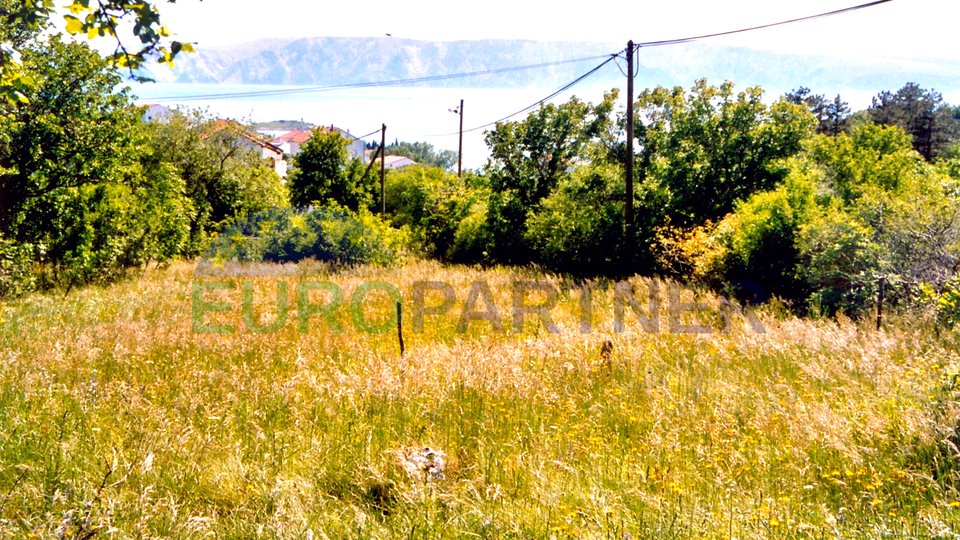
335 61
330 61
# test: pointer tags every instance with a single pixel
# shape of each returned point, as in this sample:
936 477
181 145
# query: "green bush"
579 227
472 238
945 301
842 262
324 234
430 202
360 238
16 275
853 210
323 173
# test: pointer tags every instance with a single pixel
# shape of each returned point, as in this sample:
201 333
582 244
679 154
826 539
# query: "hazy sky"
899 29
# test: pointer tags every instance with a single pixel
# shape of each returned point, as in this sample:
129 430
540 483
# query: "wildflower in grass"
675 488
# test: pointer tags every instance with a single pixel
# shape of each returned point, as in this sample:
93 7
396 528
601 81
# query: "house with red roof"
291 141
243 137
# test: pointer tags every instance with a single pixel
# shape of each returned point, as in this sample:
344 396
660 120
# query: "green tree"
432 203
528 160
701 151
758 257
324 174
225 177
853 209
78 189
921 113
424 154
579 226
68 134
892 215
832 115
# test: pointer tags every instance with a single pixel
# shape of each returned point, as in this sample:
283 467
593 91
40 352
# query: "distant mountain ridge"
338 61
333 61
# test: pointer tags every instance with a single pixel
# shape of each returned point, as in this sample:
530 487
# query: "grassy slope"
116 417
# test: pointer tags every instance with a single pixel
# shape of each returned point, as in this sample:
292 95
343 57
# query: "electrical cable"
617 62
369 134
609 58
372 84
678 41
559 91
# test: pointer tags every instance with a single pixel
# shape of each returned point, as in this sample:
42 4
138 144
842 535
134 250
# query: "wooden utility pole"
460 150
383 169
400 326
628 207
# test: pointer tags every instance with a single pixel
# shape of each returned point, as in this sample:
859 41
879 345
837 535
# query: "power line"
372 84
609 58
559 91
617 62
678 41
368 134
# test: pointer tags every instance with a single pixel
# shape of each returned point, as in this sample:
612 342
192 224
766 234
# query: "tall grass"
118 420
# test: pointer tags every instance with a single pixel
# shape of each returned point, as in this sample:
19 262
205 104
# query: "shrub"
752 252
945 301
16 260
323 234
579 227
472 239
431 203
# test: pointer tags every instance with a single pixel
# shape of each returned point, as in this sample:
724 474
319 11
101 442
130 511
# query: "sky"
904 29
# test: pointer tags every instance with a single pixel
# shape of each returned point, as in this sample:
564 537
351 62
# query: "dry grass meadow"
119 420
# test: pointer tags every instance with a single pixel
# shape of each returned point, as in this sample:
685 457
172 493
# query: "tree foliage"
224 174
832 115
579 227
324 174
424 154
69 133
854 209
921 113
431 202
329 234
703 150
77 190
22 20
528 160
88 190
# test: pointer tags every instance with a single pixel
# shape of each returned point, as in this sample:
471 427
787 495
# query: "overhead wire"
609 58
378 130
559 91
616 61
373 84
678 41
